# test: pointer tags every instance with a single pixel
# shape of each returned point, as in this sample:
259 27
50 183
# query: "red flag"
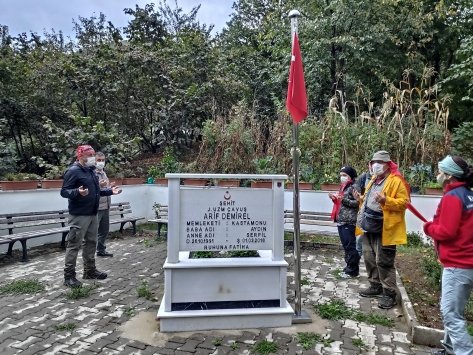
296 102
416 212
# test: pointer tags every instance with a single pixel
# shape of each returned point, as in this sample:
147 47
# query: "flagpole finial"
294 14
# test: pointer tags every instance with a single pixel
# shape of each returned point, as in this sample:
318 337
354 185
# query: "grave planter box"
230 293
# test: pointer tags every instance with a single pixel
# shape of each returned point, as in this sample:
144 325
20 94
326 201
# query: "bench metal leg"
10 248
122 224
63 241
159 229
23 245
133 223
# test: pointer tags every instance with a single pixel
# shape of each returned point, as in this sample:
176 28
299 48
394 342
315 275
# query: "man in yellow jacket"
382 217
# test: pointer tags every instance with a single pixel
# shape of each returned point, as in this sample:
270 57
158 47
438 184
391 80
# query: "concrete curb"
421 335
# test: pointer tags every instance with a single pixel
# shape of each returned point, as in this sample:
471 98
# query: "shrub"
432 268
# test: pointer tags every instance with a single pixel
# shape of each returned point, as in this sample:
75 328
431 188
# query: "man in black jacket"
81 187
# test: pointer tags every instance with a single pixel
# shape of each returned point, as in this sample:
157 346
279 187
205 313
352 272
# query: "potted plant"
306 178
20 181
228 183
192 167
330 181
131 177
167 164
53 178
433 188
263 166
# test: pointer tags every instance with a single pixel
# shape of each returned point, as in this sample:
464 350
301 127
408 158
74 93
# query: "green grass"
146 226
373 318
217 342
308 340
334 310
314 238
148 243
80 292
65 327
234 346
337 273
22 287
129 312
359 343
144 291
305 281
264 347
470 329
337 310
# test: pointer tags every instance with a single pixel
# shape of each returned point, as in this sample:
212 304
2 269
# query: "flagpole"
300 316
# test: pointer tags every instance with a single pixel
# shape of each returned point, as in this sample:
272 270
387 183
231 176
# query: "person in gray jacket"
103 215
344 213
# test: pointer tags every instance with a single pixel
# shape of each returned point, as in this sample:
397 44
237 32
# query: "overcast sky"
37 15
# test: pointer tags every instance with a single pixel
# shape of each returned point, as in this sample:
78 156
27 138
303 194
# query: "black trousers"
352 258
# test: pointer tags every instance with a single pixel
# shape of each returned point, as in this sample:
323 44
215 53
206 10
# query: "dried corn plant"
230 145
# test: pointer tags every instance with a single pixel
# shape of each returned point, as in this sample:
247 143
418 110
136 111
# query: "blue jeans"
359 245
352 258
457 285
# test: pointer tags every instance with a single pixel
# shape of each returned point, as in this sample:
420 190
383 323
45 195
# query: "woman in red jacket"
452 232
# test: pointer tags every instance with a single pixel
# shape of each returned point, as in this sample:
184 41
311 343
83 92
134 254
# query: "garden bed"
420 273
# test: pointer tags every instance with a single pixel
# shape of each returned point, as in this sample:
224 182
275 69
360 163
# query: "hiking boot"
94 275
372 291
387 301
104 253
72 282
438 352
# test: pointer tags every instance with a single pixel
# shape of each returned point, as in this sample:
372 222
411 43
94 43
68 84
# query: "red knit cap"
82 149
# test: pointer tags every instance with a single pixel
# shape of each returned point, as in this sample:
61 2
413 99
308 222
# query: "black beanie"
349 171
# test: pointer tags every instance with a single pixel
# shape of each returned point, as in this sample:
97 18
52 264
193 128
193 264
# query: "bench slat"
120 212
37 233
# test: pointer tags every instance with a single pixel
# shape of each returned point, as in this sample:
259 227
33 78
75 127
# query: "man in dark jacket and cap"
81 187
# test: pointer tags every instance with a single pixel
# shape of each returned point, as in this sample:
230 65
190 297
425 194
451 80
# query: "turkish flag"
296 102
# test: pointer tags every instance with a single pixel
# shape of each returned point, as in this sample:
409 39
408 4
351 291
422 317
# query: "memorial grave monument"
225 293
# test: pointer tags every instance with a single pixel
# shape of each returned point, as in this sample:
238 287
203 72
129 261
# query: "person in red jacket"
452 232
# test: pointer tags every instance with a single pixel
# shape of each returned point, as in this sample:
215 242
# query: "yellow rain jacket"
394 209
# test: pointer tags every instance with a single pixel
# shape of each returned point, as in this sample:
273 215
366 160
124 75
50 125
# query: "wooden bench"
308 219
23 226
120 212
161 217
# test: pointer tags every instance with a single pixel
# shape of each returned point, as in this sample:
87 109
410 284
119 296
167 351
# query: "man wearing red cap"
81 187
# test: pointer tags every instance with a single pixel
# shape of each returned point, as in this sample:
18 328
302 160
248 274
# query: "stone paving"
114 320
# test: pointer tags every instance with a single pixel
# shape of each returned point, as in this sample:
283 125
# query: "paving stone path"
114 320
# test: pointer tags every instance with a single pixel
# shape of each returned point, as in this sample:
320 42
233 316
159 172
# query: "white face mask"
90 161
100 165
441 178
344 179
378 169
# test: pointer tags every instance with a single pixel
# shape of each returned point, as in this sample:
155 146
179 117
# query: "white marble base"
241 318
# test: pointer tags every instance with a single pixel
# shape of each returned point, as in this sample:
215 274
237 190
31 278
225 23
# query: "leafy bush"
414 239
462 140
432 268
